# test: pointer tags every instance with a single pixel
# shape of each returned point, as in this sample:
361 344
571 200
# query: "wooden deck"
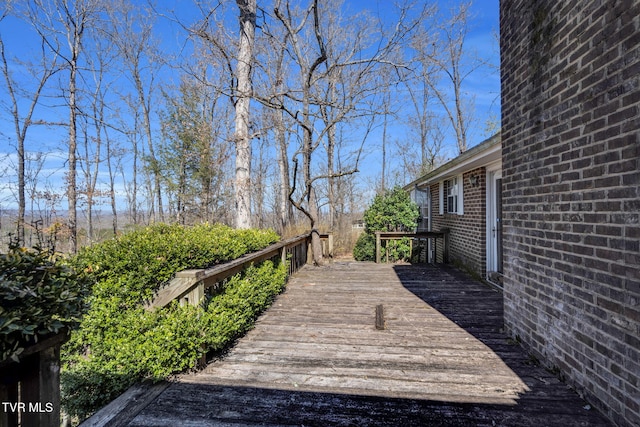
316 359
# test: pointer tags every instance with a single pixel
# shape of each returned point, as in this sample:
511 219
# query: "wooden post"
379 317
283 255
34 383
41 388
330 245
377 247
445 248
196 295
9 393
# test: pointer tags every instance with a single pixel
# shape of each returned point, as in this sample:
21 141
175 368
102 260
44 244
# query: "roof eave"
483 154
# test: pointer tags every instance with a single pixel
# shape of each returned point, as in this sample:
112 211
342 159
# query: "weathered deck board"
316 358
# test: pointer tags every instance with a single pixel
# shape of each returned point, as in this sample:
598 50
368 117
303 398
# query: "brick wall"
571 200
467 245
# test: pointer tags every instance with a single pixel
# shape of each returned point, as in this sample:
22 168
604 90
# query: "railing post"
377 247
33 383
283 256
196 294
445 246
41 387
9 393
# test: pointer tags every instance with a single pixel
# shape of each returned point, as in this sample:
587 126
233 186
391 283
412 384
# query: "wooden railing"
189 286
396 235
30 390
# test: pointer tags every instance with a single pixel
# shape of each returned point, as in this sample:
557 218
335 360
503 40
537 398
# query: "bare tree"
62 25
33 167
425 128
95 120
132 35
274 71
247 10
237 60
41 73
113 159
323 59
452 65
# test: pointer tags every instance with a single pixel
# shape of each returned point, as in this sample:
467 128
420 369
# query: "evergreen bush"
365 248
120 343
40 296
392 210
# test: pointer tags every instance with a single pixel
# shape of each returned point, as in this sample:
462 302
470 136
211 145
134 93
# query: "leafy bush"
40 296
365 248
391 211
120 343
399 249
136 264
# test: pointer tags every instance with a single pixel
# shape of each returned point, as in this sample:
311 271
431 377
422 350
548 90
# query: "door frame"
493 245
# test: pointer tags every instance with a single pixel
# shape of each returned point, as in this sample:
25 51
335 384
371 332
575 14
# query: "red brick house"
463 195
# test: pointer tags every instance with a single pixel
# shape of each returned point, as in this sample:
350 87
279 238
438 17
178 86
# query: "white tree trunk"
242 137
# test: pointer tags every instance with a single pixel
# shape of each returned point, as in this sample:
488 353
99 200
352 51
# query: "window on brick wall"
452 189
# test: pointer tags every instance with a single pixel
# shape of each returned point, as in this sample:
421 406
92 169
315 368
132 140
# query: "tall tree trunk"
313 212
331 144
146 117
329 118
242 136
383 184
133 207
21 189
112 186
284 208
285 213
71 174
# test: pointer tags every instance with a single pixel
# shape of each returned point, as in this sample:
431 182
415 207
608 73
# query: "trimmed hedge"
120 343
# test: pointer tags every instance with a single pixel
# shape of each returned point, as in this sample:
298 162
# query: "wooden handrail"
190 285
395 235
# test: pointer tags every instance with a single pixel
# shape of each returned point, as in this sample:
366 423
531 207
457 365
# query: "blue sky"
483 86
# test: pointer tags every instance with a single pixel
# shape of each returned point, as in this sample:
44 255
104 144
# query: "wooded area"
250 114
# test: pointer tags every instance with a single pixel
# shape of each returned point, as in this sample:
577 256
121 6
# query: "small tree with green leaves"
392 210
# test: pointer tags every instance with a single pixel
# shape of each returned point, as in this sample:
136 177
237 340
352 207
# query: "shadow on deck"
315 358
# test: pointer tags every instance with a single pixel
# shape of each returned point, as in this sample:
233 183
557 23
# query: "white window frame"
454 193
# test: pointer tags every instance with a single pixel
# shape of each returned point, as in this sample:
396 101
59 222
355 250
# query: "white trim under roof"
482 155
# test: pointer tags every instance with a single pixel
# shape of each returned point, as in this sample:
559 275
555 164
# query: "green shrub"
120 343
399 249
365 248
391 211
40 296
136 264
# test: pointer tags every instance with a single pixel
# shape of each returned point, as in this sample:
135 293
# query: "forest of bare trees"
251 113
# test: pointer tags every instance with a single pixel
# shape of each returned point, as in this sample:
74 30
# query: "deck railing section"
189 286
395 235
30 390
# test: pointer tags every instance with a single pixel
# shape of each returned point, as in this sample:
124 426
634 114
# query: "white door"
494 222
423 199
